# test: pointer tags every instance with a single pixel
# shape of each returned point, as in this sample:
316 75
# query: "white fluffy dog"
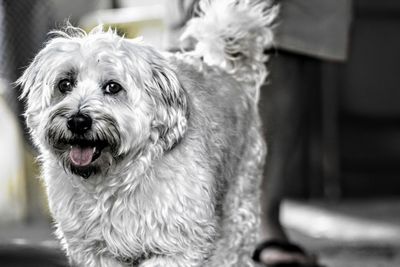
149 158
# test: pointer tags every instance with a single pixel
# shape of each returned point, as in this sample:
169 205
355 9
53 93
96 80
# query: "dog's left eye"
112 88
65 85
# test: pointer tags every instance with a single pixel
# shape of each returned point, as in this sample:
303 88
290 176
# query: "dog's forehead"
101 51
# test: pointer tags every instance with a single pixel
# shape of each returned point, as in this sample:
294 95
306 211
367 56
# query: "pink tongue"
81 156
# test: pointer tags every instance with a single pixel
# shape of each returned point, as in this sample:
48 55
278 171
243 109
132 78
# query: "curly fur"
233 35
177 184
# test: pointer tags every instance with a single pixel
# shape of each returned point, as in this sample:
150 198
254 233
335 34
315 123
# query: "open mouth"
83 152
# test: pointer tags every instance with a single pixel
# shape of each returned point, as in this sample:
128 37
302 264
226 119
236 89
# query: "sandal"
299 257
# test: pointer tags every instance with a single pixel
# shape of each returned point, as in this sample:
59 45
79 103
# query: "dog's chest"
165 217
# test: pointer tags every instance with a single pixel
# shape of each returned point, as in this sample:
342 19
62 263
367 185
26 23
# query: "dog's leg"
85 259
97 261
86 254
172 261
241 219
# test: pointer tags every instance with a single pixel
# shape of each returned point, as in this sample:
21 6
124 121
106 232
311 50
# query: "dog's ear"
171 100
33 81
29 80
34 86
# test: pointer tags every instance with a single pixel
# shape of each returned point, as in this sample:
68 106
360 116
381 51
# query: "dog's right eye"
65 85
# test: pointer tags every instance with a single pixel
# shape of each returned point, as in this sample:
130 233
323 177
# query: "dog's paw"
166 261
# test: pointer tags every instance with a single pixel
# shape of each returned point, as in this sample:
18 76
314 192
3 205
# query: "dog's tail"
233 34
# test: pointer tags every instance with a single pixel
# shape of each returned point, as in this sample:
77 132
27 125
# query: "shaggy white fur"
233 35
153 159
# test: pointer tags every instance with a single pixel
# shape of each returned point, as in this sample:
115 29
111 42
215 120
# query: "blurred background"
344 204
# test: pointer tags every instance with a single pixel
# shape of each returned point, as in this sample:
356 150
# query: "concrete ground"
348 234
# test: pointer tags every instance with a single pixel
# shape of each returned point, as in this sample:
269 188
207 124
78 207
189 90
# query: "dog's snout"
79 123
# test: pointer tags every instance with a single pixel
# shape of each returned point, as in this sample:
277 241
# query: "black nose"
79 123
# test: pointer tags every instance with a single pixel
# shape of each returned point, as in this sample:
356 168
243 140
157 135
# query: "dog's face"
96 100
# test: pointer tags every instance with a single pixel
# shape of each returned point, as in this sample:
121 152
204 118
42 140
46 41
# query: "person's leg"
283 106
282 112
